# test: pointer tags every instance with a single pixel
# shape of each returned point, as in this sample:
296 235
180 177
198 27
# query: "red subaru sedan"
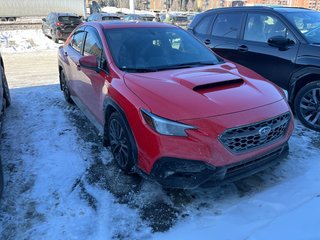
171 109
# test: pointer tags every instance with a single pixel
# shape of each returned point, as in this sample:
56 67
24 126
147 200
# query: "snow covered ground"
13 41
60 183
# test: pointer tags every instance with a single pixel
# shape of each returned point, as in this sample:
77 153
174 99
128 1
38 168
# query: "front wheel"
307 105
120 144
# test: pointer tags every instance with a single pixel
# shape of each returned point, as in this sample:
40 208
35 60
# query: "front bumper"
188 174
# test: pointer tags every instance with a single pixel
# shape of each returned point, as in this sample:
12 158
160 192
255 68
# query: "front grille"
256 135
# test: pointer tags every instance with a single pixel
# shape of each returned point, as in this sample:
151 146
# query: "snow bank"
15 41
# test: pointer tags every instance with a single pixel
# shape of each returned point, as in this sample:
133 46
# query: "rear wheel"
307 105
65 88
6 92
121 147
54 37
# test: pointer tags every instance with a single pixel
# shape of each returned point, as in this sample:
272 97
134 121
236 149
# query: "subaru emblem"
264 131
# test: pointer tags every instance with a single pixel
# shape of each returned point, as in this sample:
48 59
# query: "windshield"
308 24
155 49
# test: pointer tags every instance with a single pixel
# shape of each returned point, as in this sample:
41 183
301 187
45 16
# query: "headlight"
165 126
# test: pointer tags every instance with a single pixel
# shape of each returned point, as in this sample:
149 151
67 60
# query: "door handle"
243 48
207 41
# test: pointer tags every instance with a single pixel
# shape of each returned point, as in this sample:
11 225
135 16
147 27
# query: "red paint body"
170 94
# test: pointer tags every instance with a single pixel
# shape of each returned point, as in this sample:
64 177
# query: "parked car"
169 108
5 101
58 26
103 17
138 17
281 44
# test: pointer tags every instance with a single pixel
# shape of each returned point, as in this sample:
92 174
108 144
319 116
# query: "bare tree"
123 4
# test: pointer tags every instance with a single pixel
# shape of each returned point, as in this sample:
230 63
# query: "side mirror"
44 20
280 42
89 62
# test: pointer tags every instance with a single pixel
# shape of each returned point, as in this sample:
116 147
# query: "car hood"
202 92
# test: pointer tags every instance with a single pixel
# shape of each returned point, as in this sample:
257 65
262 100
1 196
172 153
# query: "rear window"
110 18
144 18
180 19
69 19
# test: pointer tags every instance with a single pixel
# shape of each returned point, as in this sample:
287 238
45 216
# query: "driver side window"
93 47
77 41
261 27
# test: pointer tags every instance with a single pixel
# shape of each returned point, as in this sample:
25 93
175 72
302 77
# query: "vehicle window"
90 18
110 18
77 41
261 27
227 25
204 25
69 19
152 49
308 23
51 18
92 45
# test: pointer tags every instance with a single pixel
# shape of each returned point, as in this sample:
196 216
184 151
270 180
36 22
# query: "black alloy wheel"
65 88
307 105
120 144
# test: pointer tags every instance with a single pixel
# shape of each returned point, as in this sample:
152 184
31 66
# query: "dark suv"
58 26
281 44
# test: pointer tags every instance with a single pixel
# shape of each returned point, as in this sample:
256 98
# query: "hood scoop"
216 86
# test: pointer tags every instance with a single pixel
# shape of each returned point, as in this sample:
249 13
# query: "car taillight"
59 24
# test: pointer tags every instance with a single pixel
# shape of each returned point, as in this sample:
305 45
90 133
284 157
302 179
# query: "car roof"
59 14
274 8
135 24
108 14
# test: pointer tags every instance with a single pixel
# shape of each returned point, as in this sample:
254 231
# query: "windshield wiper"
185 65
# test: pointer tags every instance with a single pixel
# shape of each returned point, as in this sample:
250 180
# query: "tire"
54 37
6 92
120 143
307 105
1 179
64 87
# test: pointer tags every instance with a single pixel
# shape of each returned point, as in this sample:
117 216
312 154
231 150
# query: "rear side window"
204 25
227 25
69 19
77 41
